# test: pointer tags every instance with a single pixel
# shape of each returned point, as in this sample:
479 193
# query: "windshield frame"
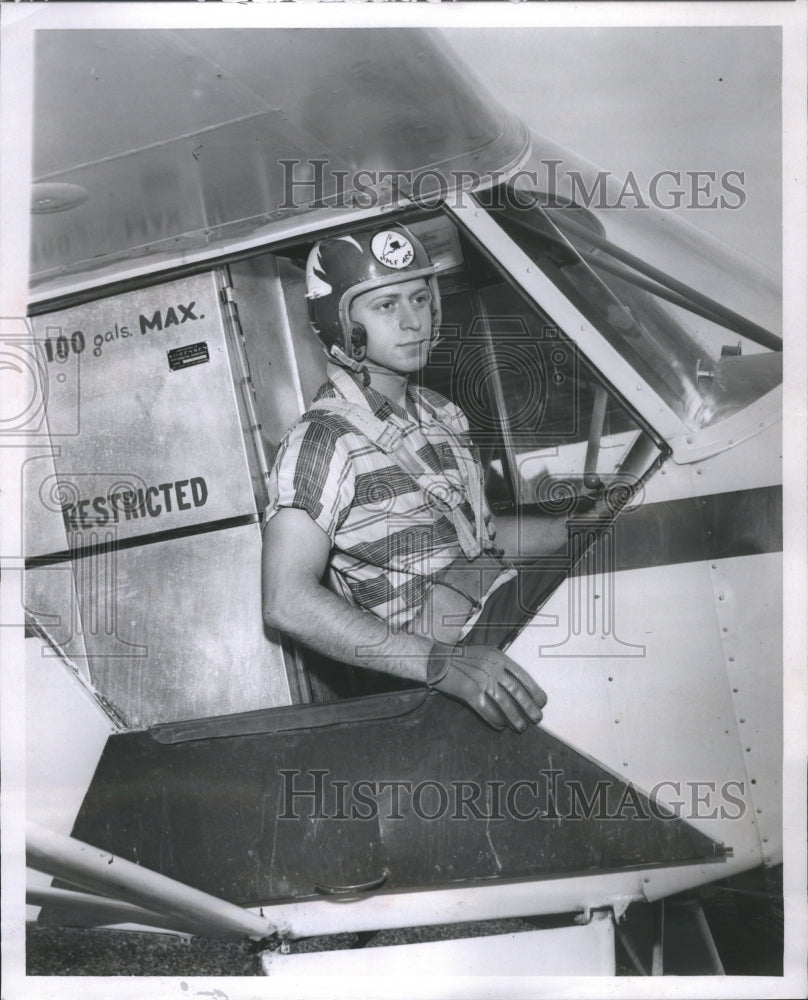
687 443
667 330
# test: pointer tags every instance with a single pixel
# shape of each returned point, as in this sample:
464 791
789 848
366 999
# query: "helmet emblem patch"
392 249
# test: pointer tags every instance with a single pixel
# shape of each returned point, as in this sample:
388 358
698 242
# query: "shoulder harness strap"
389 436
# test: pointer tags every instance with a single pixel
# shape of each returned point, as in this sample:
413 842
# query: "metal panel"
398 85
174 630
163 613
496 900
691 607
52 602
586 950
749 596
270 347
182 190
147 426
62 746
658 708
43 526
171 806
49 592
205 167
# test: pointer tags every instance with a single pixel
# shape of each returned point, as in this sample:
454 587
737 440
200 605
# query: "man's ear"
359 338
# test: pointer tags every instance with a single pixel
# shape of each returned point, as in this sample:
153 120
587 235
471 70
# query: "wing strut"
99 871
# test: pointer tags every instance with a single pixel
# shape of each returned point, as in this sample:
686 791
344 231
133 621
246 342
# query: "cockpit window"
549 429
703 358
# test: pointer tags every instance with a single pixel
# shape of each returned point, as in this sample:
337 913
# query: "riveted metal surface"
684 570
746 595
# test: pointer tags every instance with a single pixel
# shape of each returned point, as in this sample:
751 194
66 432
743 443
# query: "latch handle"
326 889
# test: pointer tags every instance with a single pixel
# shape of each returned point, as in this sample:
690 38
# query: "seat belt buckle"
394 430
389 437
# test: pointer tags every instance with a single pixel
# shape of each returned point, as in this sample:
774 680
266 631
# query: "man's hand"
489 682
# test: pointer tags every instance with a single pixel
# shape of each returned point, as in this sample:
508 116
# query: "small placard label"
191 354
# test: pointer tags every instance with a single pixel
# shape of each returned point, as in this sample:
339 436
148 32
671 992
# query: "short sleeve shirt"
388 539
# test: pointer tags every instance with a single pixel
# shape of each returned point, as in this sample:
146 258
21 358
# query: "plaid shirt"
388 540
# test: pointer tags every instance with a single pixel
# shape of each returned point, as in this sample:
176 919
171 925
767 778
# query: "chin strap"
338 356
361 368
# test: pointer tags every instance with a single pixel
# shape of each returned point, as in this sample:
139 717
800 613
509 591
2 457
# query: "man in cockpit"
379 549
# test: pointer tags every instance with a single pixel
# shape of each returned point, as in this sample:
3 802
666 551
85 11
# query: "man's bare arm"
294 559
528 534
524 534
295 556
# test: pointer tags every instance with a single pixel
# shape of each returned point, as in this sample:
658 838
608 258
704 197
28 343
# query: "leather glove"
488 682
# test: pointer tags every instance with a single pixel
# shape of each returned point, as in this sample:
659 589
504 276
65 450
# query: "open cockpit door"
382 794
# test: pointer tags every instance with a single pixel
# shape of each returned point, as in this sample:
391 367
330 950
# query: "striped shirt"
388 538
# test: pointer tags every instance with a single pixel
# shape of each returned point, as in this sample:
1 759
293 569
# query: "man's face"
398 321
